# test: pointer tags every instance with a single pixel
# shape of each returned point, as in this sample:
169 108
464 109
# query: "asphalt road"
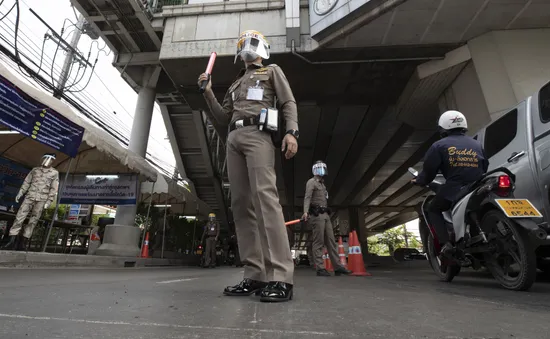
187 303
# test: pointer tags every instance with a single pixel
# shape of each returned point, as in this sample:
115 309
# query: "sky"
106 92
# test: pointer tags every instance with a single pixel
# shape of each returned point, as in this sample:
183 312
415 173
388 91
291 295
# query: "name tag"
255 94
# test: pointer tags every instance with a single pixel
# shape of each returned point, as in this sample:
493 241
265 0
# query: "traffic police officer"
211 233
261 233
462 161
315 209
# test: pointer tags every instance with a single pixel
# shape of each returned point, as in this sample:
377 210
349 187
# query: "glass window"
544 103
500 133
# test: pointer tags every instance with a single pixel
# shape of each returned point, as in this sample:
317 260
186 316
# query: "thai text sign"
103 190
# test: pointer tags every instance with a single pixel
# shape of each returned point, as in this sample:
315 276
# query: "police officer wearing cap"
317 212
249 110
211 234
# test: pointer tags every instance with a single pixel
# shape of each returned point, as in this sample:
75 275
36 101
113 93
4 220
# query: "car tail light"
504 185
200 247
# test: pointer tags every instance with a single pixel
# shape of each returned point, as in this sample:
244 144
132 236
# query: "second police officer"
317 211
250 114
211 234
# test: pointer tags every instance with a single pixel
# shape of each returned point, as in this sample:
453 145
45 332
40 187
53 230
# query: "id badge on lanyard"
255 92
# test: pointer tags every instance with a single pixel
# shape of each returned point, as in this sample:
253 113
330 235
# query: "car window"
500 133
544 103
475 137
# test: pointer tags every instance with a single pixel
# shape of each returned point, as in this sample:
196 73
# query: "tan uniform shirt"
316 194
41 184
212 229
235 105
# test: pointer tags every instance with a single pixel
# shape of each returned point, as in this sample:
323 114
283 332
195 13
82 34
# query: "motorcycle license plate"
518 208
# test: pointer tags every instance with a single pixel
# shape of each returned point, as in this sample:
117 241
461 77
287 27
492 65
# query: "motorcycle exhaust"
541 235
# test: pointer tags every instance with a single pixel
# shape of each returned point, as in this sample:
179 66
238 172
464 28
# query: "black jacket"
460 159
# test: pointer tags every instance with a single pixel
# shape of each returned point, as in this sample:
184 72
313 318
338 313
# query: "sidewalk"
40 259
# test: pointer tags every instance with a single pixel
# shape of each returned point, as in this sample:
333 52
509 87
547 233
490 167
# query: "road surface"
171 303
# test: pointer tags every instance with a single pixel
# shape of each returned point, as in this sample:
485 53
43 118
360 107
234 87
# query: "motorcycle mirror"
413 171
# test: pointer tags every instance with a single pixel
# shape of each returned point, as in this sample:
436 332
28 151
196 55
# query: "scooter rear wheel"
513 263
446 270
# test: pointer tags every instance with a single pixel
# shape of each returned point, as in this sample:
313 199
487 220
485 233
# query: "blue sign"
12 176
74 213
31 118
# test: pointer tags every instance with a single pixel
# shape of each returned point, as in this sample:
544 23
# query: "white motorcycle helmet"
452 120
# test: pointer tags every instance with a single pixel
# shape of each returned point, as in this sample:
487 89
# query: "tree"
386 243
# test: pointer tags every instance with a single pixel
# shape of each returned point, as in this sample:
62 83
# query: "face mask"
248 56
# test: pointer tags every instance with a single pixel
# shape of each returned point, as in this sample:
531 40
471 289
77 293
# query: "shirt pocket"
262 80
233 90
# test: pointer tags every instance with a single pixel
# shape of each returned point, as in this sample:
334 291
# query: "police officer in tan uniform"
249 111
316 210
40 188
211 234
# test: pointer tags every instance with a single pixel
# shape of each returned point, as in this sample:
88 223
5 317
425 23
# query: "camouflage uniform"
40 187
211 233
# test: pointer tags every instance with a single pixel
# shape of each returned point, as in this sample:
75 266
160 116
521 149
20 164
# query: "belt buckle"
239 123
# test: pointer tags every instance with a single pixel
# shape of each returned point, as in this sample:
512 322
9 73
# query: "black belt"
243 123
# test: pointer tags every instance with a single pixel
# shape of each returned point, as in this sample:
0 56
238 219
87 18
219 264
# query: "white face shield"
252 45
47 160
320 169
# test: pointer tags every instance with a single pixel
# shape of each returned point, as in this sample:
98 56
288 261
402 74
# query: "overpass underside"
370 79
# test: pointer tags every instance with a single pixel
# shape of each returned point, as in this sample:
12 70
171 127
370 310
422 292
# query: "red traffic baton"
208 71
292 222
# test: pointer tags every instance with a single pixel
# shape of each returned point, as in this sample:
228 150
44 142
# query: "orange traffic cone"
341 253
328 264
356 258
145 248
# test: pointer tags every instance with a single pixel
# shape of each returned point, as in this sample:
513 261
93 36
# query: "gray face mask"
248 56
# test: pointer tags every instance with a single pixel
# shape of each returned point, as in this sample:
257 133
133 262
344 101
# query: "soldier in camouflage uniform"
40 188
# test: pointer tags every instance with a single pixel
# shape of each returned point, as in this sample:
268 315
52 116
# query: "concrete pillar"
357 223
510 65
122 238
139 137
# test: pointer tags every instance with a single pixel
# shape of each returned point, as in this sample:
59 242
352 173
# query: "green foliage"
386 243
95 218
61 212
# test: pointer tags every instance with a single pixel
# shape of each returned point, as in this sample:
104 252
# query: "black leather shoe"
11 244
245 288
276 291
323 273
342 270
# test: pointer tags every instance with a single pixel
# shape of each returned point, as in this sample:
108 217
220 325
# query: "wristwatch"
294 133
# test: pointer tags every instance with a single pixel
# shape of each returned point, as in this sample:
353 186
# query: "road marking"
173 281
194 327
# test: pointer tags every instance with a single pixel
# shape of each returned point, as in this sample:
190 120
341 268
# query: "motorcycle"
492 229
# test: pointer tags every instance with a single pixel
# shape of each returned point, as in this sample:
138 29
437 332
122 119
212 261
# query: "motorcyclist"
462 161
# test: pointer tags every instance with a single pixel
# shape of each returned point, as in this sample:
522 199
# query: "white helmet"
319 168
251 45
452 120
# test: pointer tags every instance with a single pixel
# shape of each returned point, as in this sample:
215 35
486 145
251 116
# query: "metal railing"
218 156
155 6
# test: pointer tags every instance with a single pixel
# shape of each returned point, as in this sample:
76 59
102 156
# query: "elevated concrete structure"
370 78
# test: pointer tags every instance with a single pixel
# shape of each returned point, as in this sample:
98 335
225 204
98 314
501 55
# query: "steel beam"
364 133
137 59
173 140
401 170
398 139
